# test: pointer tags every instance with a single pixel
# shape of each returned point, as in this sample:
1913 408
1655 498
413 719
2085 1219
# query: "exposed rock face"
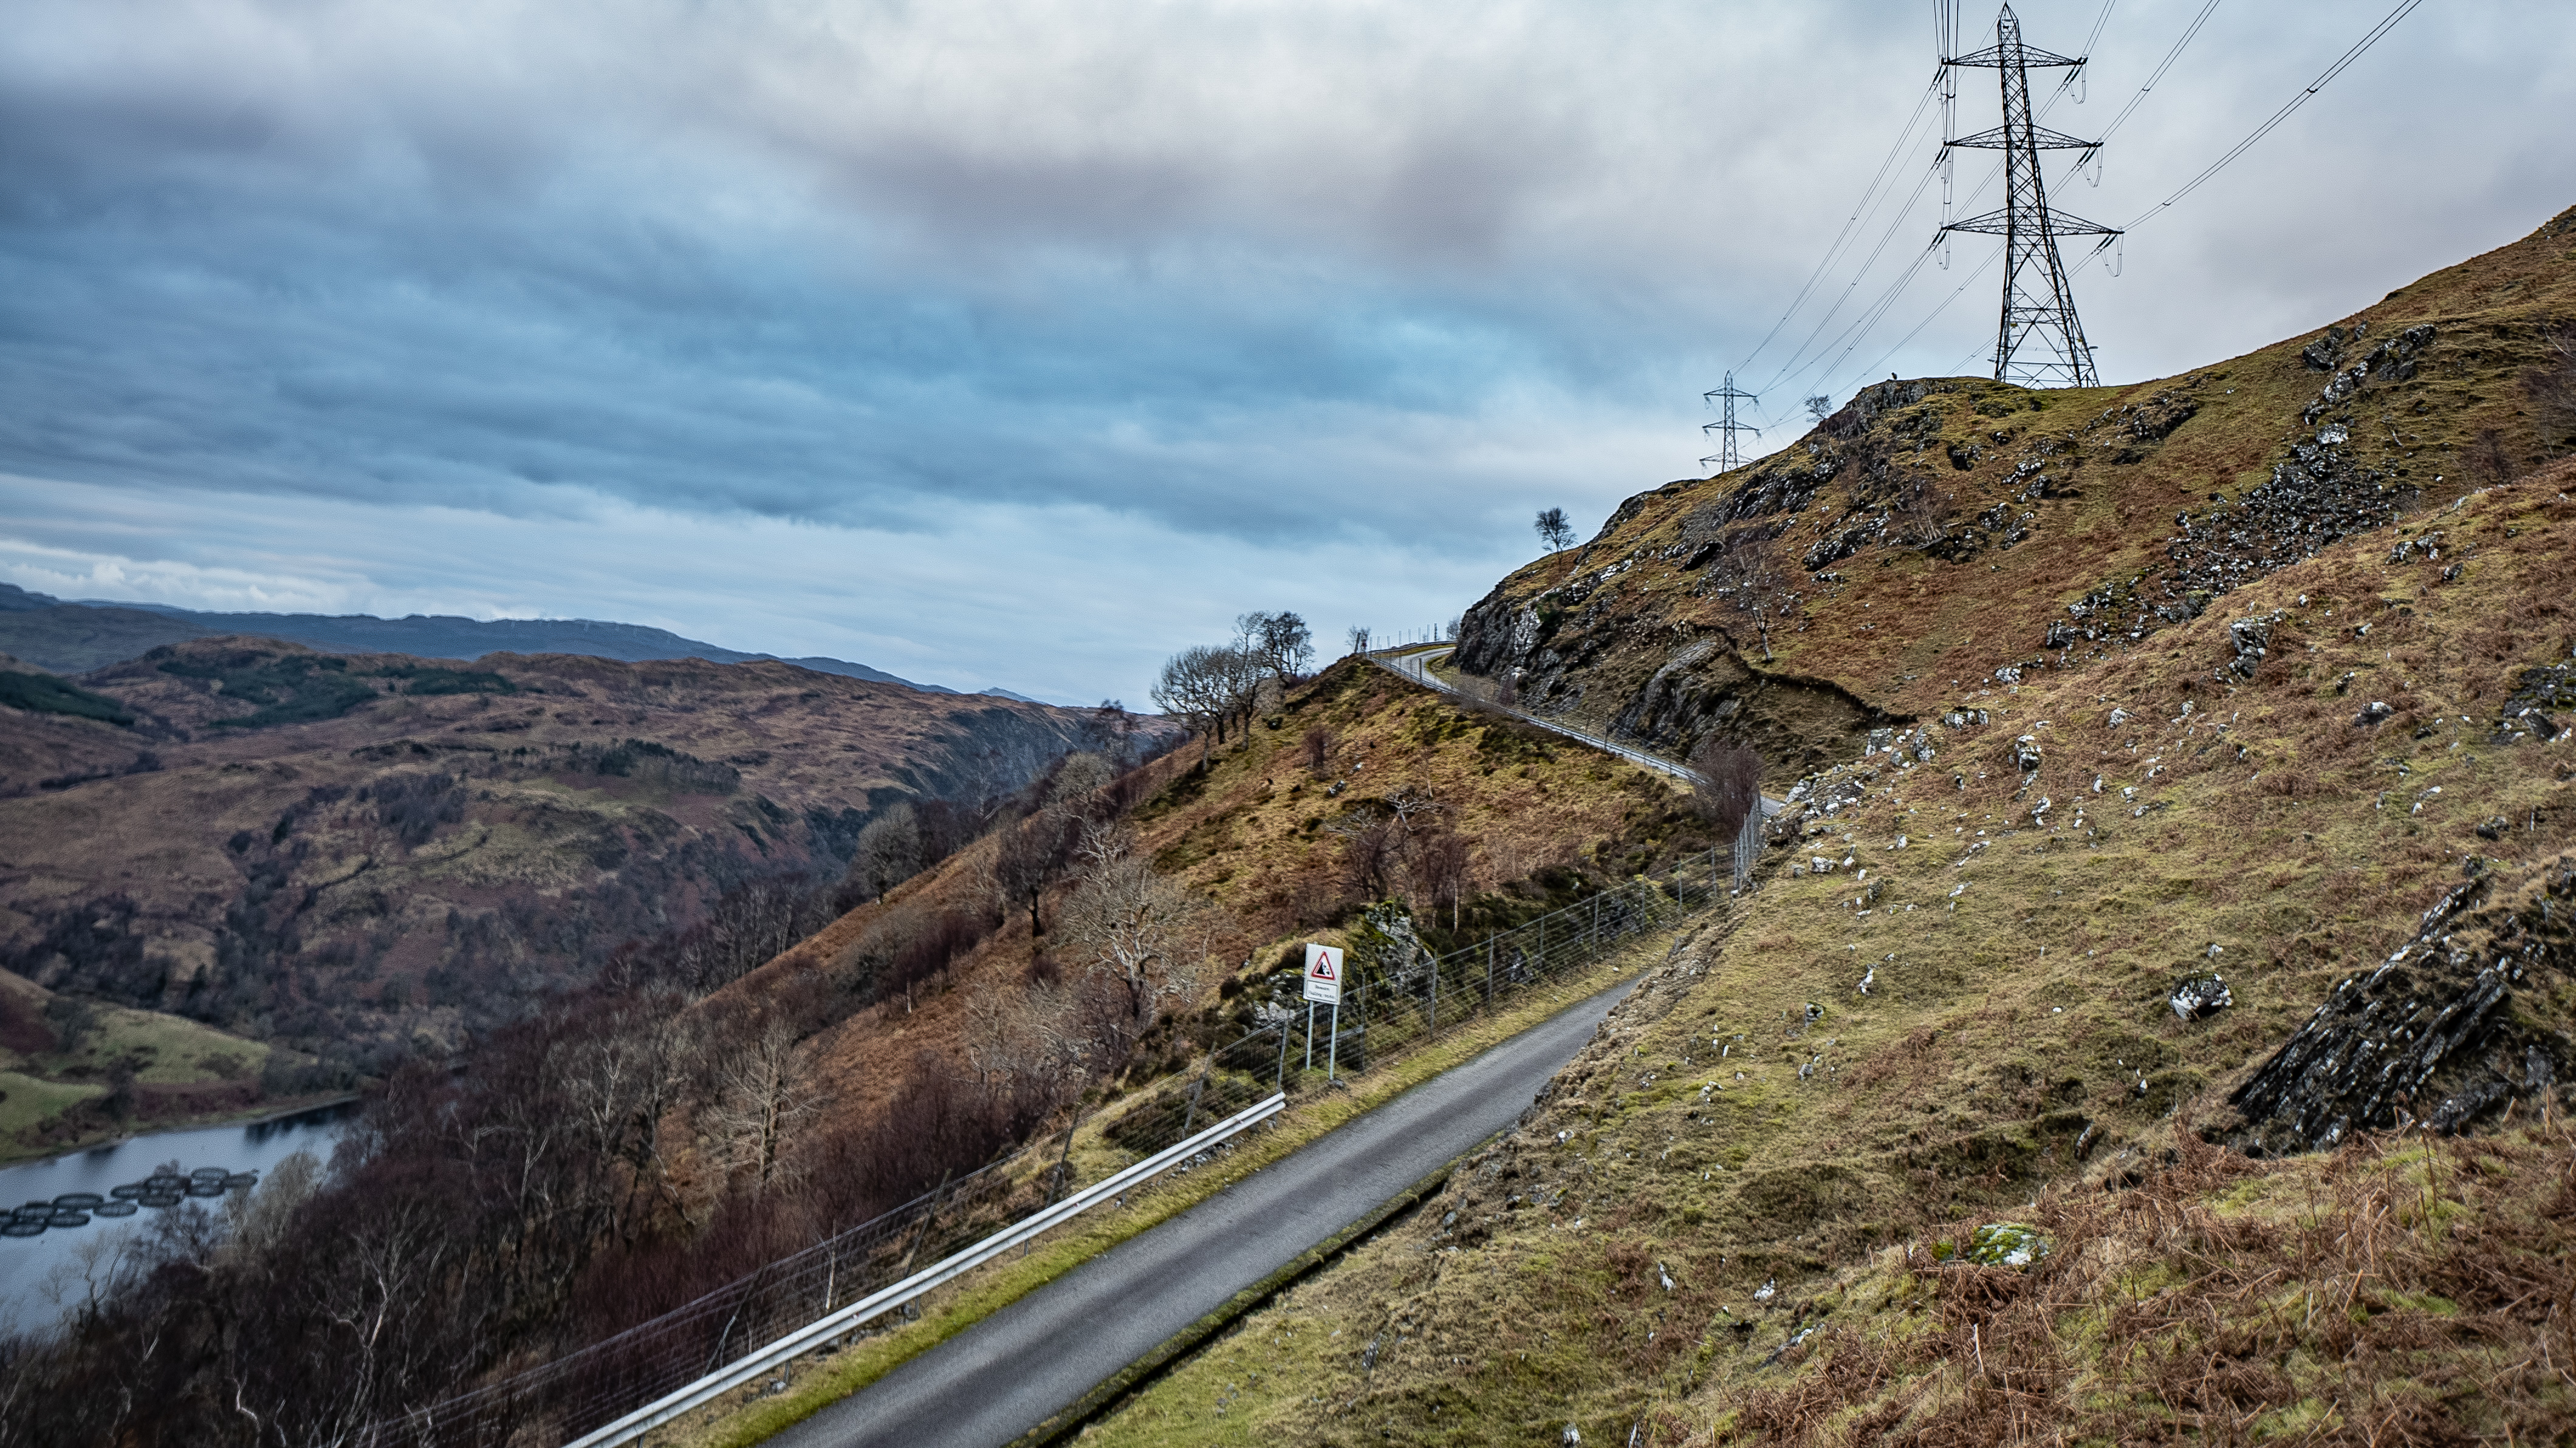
2471 1014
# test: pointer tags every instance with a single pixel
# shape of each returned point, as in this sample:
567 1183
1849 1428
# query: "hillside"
2205 1080
1936 541
72 638
2287 782
364 855
72 1071
1358 787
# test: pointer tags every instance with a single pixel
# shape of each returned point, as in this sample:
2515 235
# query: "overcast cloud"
1021 344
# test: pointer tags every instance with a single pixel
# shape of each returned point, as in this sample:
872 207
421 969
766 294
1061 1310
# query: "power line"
2343 62
1942 306
1946 24
2162 66
2359 48
1824 263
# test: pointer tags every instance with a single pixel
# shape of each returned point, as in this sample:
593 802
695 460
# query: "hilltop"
1942 540
73 638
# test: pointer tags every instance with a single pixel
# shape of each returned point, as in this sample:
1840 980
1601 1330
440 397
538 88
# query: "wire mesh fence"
1392 1007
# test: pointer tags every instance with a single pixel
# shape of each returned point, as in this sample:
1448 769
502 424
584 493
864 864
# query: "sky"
996 342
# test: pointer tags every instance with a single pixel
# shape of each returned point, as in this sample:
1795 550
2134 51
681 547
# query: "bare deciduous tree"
1729 786
1135 926
1208 685
1372 848
2552 388
1438 866
1554 530
761 1104
2485 459
1280 641
1746 574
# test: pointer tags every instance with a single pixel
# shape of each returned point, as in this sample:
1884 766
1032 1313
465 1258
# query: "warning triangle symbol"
1323 967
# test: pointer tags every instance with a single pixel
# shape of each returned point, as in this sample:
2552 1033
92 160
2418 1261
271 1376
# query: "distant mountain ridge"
86 634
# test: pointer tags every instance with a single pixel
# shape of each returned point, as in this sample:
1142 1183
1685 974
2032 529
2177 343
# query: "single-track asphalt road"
1414 662
1038 1356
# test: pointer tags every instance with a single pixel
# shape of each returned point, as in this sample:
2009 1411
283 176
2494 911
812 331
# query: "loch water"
242 1153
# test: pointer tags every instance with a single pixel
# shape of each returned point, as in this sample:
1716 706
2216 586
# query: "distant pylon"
1727 458
2039 306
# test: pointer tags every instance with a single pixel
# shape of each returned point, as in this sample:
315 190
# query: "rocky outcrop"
2469 1016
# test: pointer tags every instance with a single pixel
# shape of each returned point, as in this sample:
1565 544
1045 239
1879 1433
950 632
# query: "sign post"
1324 987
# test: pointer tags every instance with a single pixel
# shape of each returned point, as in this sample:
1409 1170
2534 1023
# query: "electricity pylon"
2039 306
1727 459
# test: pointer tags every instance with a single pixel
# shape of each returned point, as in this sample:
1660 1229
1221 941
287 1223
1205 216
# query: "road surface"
1020 1366
1415 664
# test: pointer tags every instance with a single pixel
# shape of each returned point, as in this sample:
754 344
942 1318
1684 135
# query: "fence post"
1283 1052
1435 997
1489 972
1191 1117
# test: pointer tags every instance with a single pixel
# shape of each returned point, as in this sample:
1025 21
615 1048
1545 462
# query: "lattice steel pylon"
1727 459
2039 306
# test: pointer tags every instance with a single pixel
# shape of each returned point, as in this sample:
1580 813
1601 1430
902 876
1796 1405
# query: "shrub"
45 694
1729 786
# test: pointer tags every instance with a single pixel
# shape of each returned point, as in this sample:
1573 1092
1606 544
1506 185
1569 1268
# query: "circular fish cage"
128 1192
208 1174
159 1199
16 1228
81 1200
68 1219
112 1209
242 1180
165 1182
205 1189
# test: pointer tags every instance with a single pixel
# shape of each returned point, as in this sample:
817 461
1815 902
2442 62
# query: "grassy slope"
1249 832
187 1071
2016 1038
1909 633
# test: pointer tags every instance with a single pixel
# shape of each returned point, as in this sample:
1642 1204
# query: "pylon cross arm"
1999 223
1994 57
2001 138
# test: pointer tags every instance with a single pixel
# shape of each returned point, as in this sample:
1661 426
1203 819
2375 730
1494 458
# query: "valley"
340 862
2129 736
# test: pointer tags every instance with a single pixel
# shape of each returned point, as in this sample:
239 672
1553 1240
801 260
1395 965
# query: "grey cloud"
1273 277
